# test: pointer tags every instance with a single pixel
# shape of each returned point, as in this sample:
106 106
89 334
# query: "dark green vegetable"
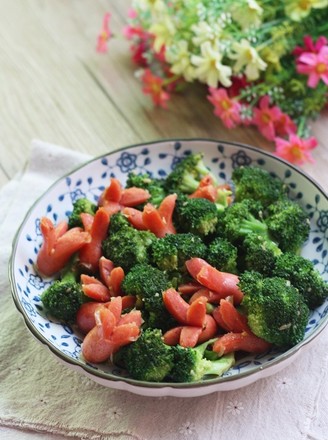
275 309
196 215
153 185
148 358
80 206
187 175
190 364
148 283
303 275
222 254
259 254
257 184
172 251
127 247
288 225
64 297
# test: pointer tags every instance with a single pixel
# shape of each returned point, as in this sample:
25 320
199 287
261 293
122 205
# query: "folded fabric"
38 393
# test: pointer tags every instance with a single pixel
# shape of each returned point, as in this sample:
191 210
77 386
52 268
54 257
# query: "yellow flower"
246 55
179 57
298 9
209 68
205 32
163 32
247 15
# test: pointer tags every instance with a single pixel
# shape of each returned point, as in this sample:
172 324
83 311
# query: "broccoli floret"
187 175
117 222
172 251
275 309
222 254
128 247
148 283
242 219
155 186
148 358
196 215
223 198
190 365
80 206
288 224
303 275
64 297
259 254
257 184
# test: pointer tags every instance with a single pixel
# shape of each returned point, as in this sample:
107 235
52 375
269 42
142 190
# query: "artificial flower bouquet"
265 63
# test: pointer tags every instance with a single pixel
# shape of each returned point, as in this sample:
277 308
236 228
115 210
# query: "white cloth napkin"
39 393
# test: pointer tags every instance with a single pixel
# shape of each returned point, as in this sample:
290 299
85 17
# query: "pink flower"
315 66
266 117
226 109
132 13
104 35
295 149
310 45
154 86
284 125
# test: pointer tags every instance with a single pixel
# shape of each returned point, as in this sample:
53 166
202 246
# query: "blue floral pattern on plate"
157 158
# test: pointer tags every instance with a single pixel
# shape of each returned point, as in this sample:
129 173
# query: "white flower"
235 407
163 31
246 55
206 32
209 68
179 56
248 15
187 428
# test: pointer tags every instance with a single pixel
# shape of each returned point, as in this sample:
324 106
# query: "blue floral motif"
77 194
322 221
36 281
127 162
240 158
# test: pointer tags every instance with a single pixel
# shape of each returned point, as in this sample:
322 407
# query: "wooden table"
55 87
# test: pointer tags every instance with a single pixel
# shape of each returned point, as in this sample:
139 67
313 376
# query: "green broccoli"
257 184
64 297
196 215
275 309
148 358
172 251
128 247
242 219
259 254
155 186
191 365
288 224
187 174
222 254
80 206
117 222
302 275
148 283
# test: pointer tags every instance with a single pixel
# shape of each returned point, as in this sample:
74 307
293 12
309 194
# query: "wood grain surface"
55 87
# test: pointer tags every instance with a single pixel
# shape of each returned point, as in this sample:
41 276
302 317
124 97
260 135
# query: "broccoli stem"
254 226
219 366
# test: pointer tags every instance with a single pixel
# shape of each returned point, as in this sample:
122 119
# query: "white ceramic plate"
159 158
